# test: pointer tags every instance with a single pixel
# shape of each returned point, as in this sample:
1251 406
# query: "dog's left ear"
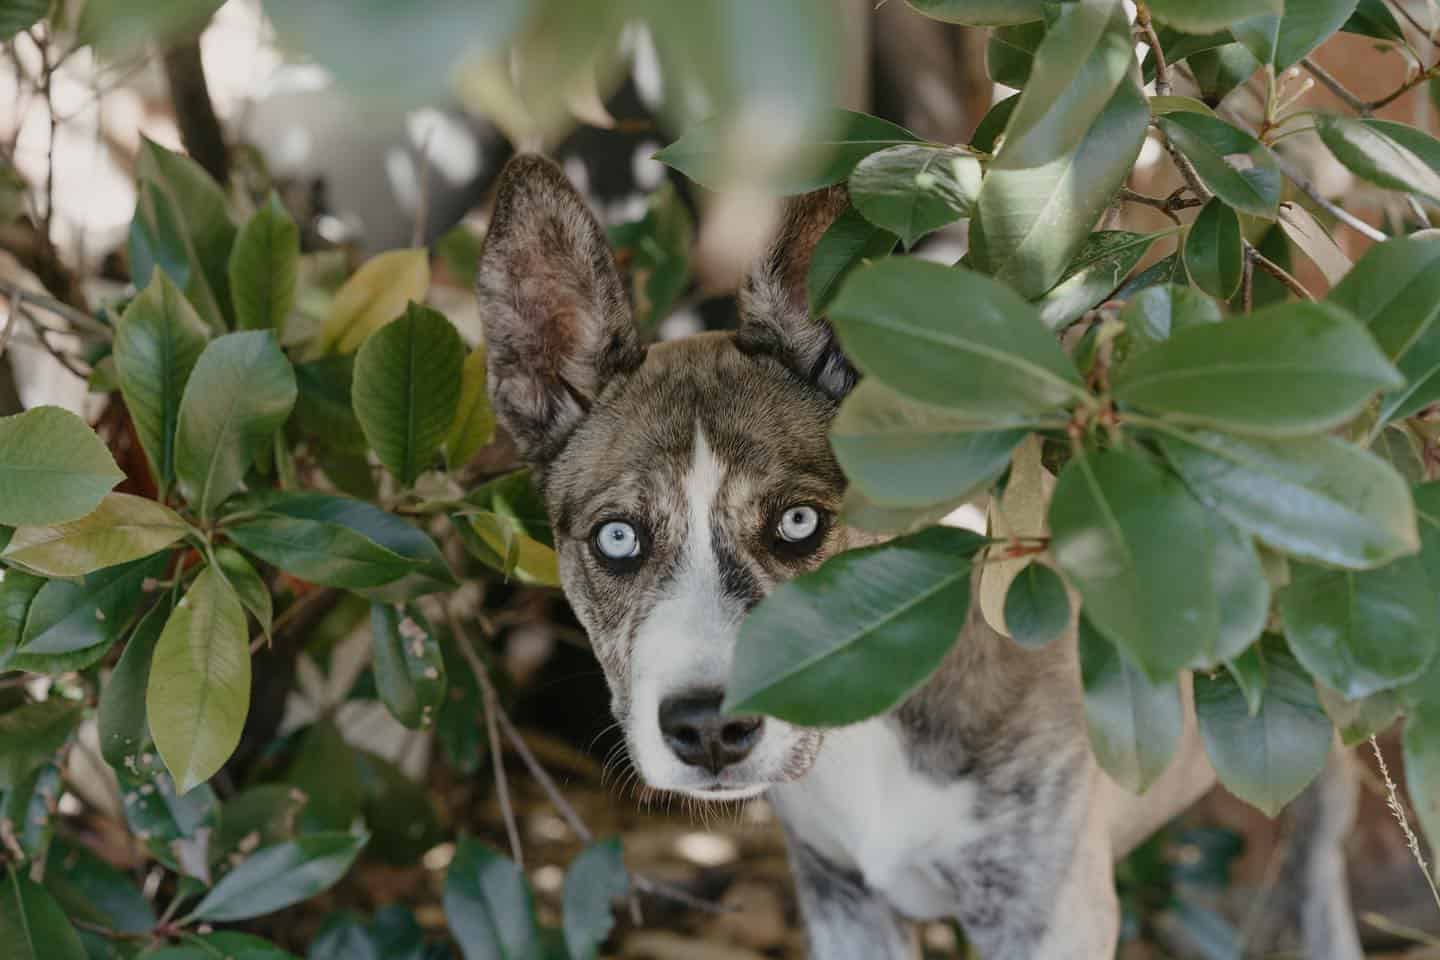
557 322
774 306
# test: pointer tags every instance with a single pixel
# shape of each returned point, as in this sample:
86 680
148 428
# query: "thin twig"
1166 205
497 759
1423 76
42 332
1147 29
1275 270
1392 799
76 318
1247 281
1186 168
1339 213
1328 80
1404 11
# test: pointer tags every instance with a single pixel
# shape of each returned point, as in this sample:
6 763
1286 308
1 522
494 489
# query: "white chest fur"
862 807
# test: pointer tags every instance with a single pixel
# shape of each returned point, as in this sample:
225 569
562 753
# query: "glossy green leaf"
1422 767
1421 368
953 338
1427 512
900 453
240 392
199 687
91 890
1155 313
1139 549
1374 155
1360 632
488 905
409 670
407 389
69 617
53 467
1097 271
1372 18
1285 39
1290 369
18 590
1214 250
1242 594
993 124
1358 720
1210 15
1252 185
324 414
1037 608
1414 139
1248 671
124 731
474 424
914 189
980 13
1220 70
122 528
1394 289
202 211
1134 723
274 877
500 543
264 266
1265 759
32 925
1317 498
596 878
855 637
1010 53
701 153
30 735
157 341
249 586
849 242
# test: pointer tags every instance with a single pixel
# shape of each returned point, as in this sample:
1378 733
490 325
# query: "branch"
1166 205
497 758
1424 75
194 112
1275 270
1344 216
1336 87
1247 281
1147 30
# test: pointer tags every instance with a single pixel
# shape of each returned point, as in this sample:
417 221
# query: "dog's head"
683 481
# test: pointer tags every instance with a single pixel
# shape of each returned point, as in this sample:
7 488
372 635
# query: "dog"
684 481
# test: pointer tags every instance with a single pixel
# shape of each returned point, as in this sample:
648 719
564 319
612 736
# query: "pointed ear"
774 306
557 323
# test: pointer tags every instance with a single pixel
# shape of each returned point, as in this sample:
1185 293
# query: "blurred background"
382 126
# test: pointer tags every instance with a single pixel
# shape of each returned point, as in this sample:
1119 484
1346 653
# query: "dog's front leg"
844 918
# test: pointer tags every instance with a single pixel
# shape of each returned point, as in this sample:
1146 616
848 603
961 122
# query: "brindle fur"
978 798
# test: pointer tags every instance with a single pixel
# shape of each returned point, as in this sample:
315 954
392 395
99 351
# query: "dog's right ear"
557 323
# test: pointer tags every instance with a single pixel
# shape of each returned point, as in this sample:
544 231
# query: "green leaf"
849 242
1373 155
1373 19
953 338
1010 54
124 731
1358 720
326 772
1134 723
1097 271
264 265
89 889
240 392
1037 608
409 670
1417 141
1222 69
1422 768
1242 594
855 637
1316 498
488 905
157 341
1361 632
343 937
18 15
1211 15
407 389
905 454
1033 217
658 248
1155 313
373 296
249 586
53 467
274 877
1213 250
596 878
32 807
1139 549
1267 758
1285 40
461 737
18 590
1394 289
1421 368
980 13
474 423
68 617
168 822
993 124
498 542
1248 671
32 923
701 153
121 529
1251 187
227 944
916 188
1290 369
269 812
199 688
400 810
30 735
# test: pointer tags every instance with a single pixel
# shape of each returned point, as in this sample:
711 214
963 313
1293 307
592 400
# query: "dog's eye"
616 541
798 524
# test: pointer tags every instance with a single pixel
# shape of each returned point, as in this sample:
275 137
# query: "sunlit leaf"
376 294
53 467
122 528
1134 723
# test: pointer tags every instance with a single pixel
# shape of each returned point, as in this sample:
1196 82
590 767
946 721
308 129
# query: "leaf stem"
1147 29
1253 256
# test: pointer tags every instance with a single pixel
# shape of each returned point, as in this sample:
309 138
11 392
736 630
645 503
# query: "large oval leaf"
853 638
376 294
1394 289
122 528
1211 15
488 905
1360 632
32 924
409 670
1139 549
1134 723
264 265
53 467
1285 39
1373 155
199 687
1097 271
1267 757
73 618
1421 368
1317 498
596 878
407 389
1214 250
241 390
915 189
274 877
953 338
124 730
1251 186
157 341
1037 608
905 454
848 242
1155 313
980 13
1290 369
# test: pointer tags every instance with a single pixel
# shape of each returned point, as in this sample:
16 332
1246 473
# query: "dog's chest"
863 808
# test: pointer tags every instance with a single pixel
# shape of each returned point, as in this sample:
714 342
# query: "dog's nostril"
701 736
737 732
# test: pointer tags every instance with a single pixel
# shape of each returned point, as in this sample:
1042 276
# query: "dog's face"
683 481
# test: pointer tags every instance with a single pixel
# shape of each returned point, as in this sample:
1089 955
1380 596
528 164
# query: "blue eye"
617 540
799 523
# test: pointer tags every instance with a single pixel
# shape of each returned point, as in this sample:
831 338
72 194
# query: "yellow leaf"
474 424
121 529
1021 513
375 295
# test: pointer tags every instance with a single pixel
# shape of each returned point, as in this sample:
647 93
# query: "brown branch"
1166 205
1339 213
1428 73
1147 30
1275 270
497 758
200 130
1247 281
1329 81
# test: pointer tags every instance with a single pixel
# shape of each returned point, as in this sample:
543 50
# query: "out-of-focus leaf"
1134 722
90 889
399 810
124 730
1285 39
168 822
1422 767
32 924
915 189
488 905
1010 53
324 413
122 528
1221 70
596 878
1252 186
18 15
1312 238
1394 289
658 249
993 124
849 242
1211 15
226 943
1358 720
31 808
274 877
1248 671
30 735
264 267
325 772
259 816
1421 368
409 669
343 937
1373 19
1374 155
376 294
980 13
53 467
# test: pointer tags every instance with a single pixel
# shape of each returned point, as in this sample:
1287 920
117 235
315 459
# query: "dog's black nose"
702 736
